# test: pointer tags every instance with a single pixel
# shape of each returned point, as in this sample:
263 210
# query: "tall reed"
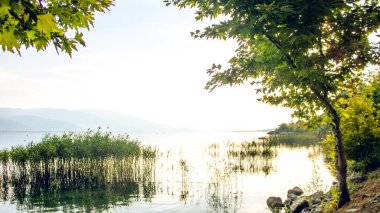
90 160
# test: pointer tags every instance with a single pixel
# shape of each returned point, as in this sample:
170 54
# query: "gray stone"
357 178
299 205
292 197
296 191
317 197
288 202
274 202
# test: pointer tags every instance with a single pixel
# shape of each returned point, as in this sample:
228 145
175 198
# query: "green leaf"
8 41
79 38
31 35
46 24
4 10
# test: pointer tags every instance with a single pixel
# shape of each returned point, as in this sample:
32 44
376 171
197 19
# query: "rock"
357 178
317 197
287 202
296 191
292 197
274 202
299 205
317 209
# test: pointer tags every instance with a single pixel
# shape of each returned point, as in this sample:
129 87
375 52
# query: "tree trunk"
340 162
340 157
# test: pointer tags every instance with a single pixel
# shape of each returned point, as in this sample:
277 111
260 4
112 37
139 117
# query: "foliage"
298 51
328 148
40 23
297 127
299 54
302 127
333 205
357 166
361 125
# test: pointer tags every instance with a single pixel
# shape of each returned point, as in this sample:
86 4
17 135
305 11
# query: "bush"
361 132
360 125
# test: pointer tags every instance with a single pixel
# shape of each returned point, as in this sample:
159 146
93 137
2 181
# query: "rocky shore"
365 197
297 202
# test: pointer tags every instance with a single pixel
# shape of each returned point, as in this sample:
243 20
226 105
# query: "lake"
195 172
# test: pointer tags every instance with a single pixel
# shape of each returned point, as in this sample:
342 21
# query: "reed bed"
250 156
265 148
90 160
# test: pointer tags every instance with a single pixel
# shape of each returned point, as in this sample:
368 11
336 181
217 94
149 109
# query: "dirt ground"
362 200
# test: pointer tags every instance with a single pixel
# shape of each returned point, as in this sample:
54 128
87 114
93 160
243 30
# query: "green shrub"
357 166
360 125
361 131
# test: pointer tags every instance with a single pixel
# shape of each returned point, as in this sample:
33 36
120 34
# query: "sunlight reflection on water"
195 174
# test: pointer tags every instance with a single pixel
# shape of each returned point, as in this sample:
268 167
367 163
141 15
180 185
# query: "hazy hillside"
70 120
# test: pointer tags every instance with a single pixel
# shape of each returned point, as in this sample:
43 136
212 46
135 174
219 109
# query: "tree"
38 23
299 54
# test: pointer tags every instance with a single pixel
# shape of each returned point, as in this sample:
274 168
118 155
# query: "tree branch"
326 103
278 45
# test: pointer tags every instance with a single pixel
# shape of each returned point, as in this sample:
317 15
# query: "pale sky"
140 60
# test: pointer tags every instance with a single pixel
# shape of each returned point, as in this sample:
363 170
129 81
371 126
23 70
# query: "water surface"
195 172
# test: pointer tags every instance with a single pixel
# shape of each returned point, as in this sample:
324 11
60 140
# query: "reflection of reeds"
185 179
223 191
295 140
94 160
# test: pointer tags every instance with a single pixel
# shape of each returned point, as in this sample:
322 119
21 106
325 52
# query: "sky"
139 60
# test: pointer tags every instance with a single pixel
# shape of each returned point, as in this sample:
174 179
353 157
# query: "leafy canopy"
302 54
38 23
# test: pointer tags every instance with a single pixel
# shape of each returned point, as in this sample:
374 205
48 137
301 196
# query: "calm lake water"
195 172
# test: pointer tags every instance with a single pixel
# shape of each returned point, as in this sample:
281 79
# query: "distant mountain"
6 124
76 120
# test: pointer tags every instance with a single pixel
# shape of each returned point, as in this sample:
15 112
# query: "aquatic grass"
90 160
249 156
263 148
